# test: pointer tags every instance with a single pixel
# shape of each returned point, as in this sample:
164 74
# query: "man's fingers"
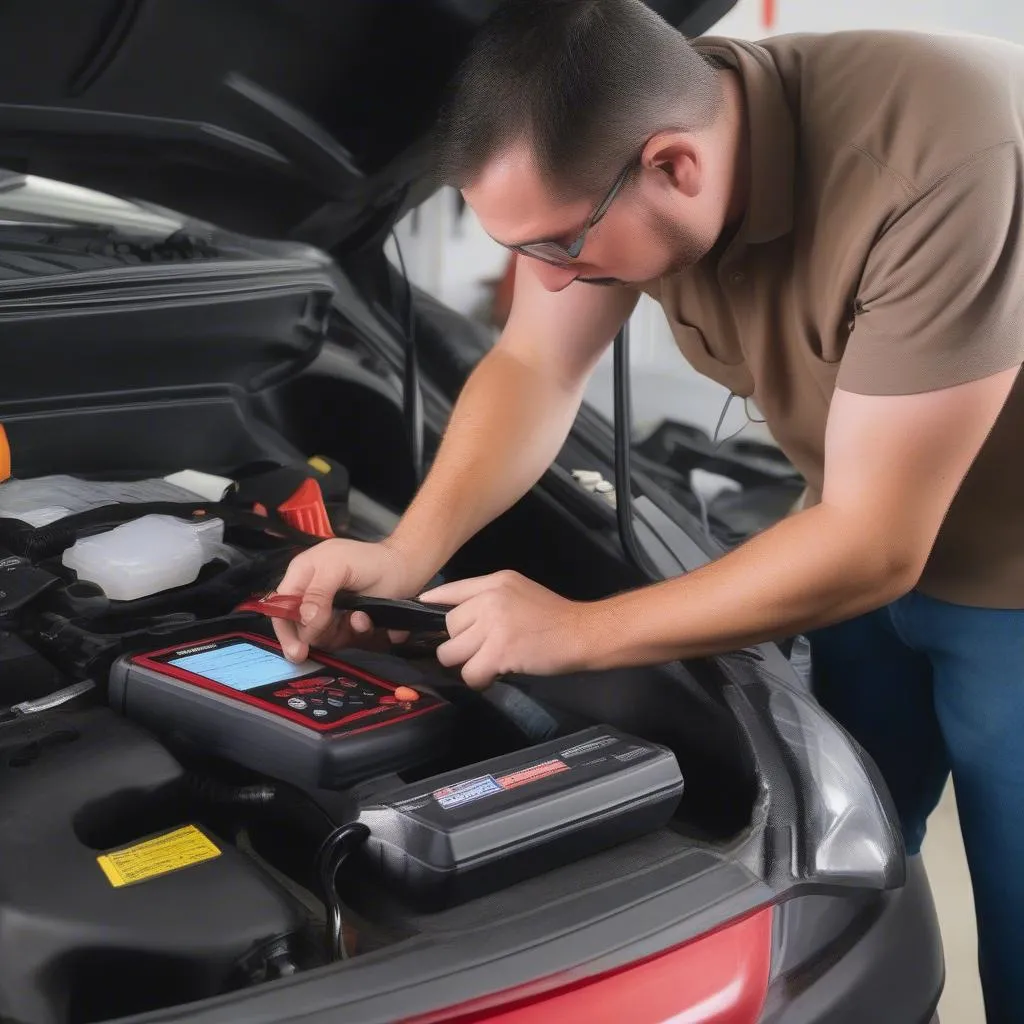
287 636
296 640
460 649
295 581
460 618
461 590
317 608
478 673
360 622
298 577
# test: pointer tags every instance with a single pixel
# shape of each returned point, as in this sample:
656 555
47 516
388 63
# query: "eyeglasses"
557 254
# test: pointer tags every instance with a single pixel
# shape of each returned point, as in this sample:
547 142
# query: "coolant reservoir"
147 556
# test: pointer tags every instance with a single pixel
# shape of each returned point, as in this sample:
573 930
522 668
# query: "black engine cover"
185 918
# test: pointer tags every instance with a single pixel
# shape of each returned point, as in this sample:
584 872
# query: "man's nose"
553 278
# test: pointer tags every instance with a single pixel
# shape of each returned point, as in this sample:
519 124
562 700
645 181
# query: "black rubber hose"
623 467
333 852
412 396
214 792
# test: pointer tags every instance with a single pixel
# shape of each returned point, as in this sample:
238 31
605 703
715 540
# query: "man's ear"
677 157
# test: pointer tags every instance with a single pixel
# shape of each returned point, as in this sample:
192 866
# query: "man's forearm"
506 429
809 570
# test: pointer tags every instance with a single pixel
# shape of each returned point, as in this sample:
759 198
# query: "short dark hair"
583 83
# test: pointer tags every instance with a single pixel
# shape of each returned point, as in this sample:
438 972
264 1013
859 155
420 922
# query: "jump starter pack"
469 832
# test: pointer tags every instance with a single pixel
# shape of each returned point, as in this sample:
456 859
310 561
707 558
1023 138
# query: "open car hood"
278 118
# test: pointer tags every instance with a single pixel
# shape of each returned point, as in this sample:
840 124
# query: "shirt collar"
772 136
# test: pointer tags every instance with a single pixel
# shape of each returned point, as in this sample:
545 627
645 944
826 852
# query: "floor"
951 886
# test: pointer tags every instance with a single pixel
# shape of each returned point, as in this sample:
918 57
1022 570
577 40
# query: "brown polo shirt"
882 252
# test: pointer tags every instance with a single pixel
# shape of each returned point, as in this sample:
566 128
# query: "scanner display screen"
242 666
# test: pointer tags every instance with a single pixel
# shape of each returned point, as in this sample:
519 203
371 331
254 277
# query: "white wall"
1003 18
451 259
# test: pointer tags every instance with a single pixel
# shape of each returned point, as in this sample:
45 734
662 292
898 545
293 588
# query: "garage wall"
451 257
986 17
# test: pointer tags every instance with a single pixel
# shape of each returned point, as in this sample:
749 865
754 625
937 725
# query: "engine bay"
184 813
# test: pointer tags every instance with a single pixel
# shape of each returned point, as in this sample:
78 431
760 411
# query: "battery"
460 835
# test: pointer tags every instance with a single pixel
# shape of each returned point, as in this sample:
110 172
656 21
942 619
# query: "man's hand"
505 623
378 570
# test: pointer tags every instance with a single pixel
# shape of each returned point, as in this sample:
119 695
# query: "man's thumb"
318 600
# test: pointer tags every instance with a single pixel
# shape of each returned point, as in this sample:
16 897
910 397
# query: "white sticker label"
589 748
631 755
465 792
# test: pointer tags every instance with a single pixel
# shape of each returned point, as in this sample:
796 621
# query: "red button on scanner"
405 694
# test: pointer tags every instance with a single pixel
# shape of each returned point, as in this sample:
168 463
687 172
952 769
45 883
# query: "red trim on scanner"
718 978
184 676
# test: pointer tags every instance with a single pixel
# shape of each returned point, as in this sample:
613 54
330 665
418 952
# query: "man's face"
651 228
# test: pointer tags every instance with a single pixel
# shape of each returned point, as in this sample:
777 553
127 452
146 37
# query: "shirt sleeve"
941 300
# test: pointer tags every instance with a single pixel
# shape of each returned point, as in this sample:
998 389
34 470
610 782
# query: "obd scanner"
322 724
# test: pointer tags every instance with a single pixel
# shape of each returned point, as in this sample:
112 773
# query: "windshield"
49 228
28 199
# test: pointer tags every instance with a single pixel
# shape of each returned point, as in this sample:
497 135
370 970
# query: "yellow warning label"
319 464
172 851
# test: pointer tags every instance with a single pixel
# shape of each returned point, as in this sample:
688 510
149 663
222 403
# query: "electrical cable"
718 426
623 422
412 398
721 419
214 792
333 852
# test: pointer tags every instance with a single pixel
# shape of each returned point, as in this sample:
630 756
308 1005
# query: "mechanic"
834 227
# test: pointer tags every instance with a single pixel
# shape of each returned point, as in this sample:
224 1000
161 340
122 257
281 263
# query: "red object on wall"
768 13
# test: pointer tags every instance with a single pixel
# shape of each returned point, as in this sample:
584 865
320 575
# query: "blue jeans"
930 688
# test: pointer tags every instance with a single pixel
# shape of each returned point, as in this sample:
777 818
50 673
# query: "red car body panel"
717 978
